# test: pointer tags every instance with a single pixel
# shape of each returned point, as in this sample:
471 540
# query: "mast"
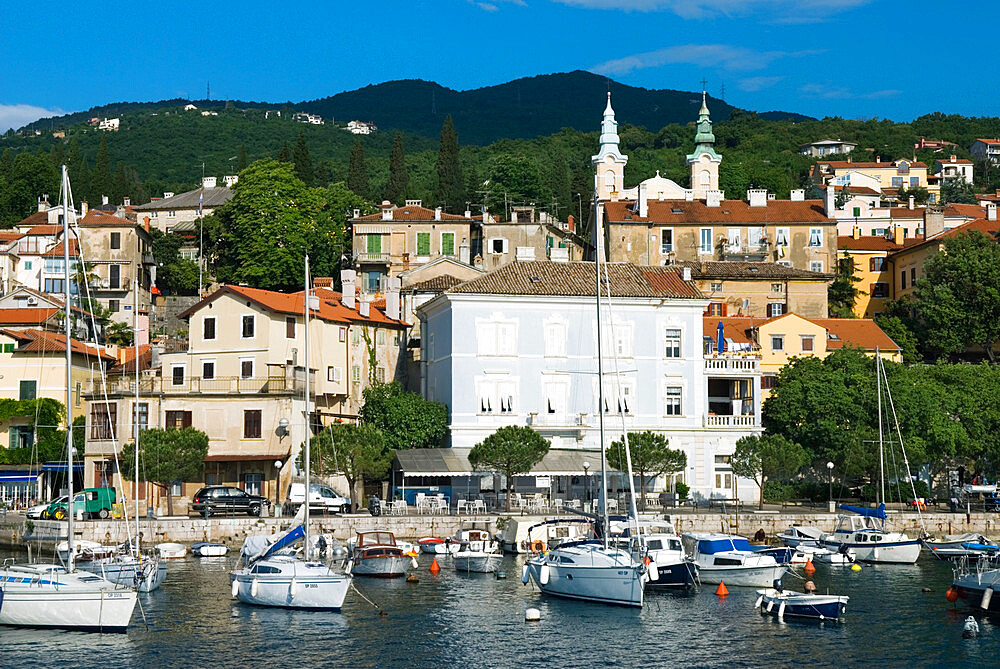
598 233
69 371
135 418
881 447
305 336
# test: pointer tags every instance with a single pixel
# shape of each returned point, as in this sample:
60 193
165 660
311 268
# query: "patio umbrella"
722 341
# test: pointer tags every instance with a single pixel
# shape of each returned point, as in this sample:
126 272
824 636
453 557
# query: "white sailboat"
592 570
51 596
273 578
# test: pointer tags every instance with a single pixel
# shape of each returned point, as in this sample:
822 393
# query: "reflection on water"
478 620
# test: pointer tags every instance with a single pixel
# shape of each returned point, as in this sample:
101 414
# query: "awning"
455 462
245 458
61 467
18 477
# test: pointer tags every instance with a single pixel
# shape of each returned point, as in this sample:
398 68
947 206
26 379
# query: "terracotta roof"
729 211
58 250
33 219
857 332
737 328
989 141
991 197
412 213
376 314
970 211
45 230
40 341
955 161
126 359
988 228
866 243
577 278
10 235
437 284
859 190
736 269
26 316
96 217
847 164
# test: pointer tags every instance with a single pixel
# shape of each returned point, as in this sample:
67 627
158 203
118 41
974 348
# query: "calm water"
477 620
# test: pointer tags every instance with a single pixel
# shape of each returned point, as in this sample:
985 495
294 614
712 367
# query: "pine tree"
395 190
450 189
285 155
303 161
58 155
79 172
357 171
241 162
101 180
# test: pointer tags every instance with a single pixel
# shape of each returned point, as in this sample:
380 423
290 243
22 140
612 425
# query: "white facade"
499 360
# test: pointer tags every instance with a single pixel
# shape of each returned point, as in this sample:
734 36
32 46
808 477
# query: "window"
903 168
914 182
776 287
8 348
246 368
496 396
355 373
754 236
902 279
374 281
496 338
140 418
623 340
380 337
374 243
913 276
208 328
447 243
116 240
672 338
171 213
27 264
22 436
252 483
807 343
177 375
114 276
251 423
77 392
672 404
555 339
177 420
856 212
768 382
55 285
356 335
716 287
880 290
113 305
705 245
334 374
777 342
815 265
248 326
423 243
897 182
775 309
717 309
666 240
724 481
207 370
875 264
289 327
815 237
498 245
733 239
781 236
27 389
103 418
343 334
380 374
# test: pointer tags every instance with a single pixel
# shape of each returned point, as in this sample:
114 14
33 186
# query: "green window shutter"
448 243
12 433
8 348
423 243
374 243
27 389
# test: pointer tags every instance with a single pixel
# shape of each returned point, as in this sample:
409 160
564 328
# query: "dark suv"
214 499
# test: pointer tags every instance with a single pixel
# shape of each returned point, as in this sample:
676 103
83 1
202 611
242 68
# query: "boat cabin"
376 538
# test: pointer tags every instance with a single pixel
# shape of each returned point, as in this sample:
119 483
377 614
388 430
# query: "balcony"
730 422
219 385
371 258
557 420
732 363
746 252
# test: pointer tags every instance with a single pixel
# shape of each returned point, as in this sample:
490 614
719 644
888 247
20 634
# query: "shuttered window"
423 243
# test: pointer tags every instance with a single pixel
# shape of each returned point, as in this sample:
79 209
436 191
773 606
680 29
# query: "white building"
360 127
986 149
827 147
953 168
111 124
517 347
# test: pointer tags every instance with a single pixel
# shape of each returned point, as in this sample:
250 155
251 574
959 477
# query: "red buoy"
721 591
435 568
952 594
809 568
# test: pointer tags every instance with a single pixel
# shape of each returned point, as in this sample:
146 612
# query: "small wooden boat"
478 551
377 554
783 604
171 551
436 546
207 549
968 545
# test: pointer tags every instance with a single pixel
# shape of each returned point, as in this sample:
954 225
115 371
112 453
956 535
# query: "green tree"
651 457
395 189
43 414
958 191
358 452
767 456
958 300
119 333
514 178
166 456
29 177
842 294
899 333
406 419
919 193
357 171
285 154
449 191
511 450
303 161
241 159
101 180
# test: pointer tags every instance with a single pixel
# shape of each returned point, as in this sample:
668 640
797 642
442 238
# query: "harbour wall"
15 531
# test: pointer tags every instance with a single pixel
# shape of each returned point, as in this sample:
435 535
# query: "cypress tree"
101 179
241 162
395 190
303 161
450 188
79 171
58 155
285 155
357 171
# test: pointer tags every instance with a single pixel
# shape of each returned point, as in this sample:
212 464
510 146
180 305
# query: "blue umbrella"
722 341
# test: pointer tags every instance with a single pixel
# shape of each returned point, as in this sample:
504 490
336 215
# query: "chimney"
231 180
686 273
798 195
830 199
898 235
208 182
952 158
43 203
347 279
856 232
571 223
84 208
145 222
757 197
365 305
126 201
104 200
437 214
933 221
468 213
392 297
386 211
991 211
713 198
878 159
464 252
357 213
167 193
911 203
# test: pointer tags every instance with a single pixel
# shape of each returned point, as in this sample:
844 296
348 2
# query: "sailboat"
594 570
53 596
864 533
272 576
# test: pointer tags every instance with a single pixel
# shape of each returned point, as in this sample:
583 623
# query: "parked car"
91 501
321 497
38 512
216 499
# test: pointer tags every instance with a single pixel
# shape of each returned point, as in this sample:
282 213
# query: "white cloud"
721 56
487 6
494 5
843 93
15 116
754 84
782 11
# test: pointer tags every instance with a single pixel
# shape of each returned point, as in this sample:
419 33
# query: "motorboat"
171 551
777 601
208 549
478 551
797 535
864 534
376 553
816 554
667 563
589 571
968 545
436 545
977 582
783 554
730 558
275 576
544 535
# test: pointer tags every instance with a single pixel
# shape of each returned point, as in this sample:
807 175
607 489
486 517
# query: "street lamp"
277 482
829 467
586 475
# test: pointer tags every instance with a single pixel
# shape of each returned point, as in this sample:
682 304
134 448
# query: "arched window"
609 180
706 178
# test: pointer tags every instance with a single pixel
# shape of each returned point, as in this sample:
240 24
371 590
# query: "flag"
201 199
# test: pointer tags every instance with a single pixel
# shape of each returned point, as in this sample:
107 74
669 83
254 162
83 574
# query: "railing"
216 385
726 363
557 420
730 421
372 257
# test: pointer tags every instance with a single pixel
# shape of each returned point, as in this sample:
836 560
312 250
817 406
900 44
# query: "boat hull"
798 605
479 563
889 552
602 580
390 566
325 593
753 577
64 601
676 575
147 575
972 587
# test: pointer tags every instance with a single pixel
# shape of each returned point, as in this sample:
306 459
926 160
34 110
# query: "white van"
321 497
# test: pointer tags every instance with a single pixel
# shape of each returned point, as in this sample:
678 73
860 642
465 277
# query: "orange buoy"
721 591
809 568
952 594
435 568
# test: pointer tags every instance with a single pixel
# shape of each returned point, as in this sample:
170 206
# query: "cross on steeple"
703 83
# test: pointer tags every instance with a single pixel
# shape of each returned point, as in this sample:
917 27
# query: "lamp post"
829 467
586 476
277 482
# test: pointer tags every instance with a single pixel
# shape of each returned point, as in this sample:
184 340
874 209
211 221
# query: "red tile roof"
10 235
412 212
35 218
866 243
729 211
856 332
96 217
127 357
45 230
989 141
954 161
737 328
27 316
35 341
987 227
58 250
847 164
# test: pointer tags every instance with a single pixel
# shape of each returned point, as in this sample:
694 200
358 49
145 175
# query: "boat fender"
952 594
253 588
781 611
413 562
653 571
349 567
236 587
760 600
543 574
770 605
293 587
524 574
984 603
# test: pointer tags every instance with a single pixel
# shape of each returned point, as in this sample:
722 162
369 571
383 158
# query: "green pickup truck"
93 502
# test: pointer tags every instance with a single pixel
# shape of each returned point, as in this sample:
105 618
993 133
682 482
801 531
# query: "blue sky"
852 58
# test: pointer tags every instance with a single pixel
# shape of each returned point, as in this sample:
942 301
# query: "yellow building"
893 176
872 268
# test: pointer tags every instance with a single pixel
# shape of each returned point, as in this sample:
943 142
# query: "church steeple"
704 161
609 163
